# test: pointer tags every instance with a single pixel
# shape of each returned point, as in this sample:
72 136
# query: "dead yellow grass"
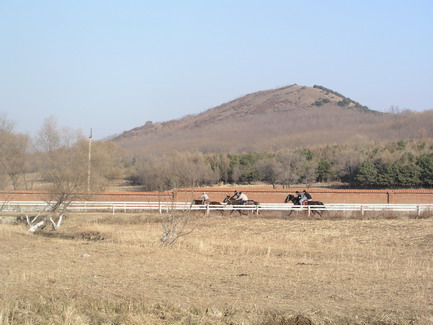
103 269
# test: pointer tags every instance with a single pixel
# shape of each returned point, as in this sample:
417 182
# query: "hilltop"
292 116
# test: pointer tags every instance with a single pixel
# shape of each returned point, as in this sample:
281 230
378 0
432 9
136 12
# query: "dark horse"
295 200
231 201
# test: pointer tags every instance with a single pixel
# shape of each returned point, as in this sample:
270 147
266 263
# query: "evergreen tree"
425 163
407 174
324 170
385 175
366 174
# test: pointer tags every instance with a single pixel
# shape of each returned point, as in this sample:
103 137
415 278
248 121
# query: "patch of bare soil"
89 236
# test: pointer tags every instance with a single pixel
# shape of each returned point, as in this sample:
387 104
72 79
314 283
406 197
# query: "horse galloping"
210 203
202 202
231 201
295 200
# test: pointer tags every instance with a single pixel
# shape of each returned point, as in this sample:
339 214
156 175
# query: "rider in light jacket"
205 198
242 197
301 197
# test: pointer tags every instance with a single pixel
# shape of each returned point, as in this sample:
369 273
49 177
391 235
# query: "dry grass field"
105 269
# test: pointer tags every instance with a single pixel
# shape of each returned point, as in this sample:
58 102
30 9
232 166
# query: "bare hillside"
291 116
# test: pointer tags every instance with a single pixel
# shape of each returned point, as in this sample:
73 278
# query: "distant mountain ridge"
290 116
278 100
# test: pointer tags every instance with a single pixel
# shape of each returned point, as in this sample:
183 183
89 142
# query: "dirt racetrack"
104 269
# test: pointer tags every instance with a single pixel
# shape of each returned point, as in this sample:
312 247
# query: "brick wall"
261 195
324 195
103 196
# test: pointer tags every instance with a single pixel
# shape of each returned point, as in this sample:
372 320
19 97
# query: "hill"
292 116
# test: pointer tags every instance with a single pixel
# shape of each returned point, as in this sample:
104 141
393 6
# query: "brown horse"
202 202
210 203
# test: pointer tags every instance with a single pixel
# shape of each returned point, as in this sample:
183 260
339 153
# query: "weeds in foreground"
96 312
229 270
174 226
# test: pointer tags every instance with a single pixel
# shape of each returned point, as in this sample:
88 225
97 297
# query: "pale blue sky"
113 65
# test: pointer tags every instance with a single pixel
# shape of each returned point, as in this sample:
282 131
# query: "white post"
90 157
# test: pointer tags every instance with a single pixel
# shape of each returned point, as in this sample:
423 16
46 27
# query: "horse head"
291 198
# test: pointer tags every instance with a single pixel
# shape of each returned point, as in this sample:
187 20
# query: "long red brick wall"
324 195
102 196
261 195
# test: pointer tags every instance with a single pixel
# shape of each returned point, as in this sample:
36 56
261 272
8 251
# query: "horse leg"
320 212
323 211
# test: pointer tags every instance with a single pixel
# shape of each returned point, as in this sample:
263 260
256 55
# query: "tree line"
58 158
395 164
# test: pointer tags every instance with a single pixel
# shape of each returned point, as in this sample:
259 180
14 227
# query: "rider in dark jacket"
304 196
308 196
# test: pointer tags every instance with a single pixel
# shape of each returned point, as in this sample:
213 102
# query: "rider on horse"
303 197
241 197
205 198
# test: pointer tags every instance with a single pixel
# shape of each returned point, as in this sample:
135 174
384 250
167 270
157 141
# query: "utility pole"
90 156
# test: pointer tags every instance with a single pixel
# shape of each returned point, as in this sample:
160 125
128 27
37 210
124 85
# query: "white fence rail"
88 206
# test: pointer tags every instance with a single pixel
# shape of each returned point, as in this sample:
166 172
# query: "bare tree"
64 169
346 162
106 162
174 170
150 172
174 226
269 169
290 170
13 154
190 169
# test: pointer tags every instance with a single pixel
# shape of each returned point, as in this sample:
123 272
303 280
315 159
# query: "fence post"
362 210
418 210
309 210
